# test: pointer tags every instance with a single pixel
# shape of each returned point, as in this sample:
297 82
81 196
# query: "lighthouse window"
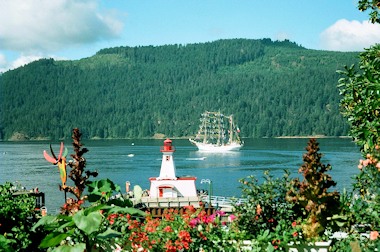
167 158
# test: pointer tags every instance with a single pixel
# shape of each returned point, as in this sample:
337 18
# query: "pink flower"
373 235
220 213
231 218
210 218
294 224
193 222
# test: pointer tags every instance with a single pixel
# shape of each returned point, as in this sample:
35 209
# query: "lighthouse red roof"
167 146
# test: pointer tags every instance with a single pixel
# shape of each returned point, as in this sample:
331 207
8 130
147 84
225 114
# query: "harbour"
137 160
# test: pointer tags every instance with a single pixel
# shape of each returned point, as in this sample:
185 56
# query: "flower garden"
280 214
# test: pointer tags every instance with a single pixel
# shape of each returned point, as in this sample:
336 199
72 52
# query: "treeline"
272 88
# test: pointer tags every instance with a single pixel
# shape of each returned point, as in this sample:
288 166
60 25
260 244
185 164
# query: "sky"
75 29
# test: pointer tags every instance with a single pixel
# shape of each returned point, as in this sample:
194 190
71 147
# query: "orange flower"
258 209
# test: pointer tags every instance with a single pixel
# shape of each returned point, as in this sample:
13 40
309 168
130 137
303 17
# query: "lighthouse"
167 164
167 184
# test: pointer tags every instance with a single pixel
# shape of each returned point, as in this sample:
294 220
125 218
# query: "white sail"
217 133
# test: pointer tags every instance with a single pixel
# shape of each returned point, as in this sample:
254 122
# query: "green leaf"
4 244
131 211
80 247
53 239
43 222
88 223
109 233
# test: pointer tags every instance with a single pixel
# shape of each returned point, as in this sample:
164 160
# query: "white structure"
168 185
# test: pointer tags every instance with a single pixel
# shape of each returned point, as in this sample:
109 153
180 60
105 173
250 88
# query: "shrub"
313 203
267 215
17 216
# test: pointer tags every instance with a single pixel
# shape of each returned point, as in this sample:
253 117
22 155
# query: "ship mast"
204 126
231 129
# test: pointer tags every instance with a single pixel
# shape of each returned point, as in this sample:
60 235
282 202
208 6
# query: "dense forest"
273 89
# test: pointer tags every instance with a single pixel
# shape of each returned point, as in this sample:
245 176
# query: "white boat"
217 133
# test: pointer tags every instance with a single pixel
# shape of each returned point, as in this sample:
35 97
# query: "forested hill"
272 88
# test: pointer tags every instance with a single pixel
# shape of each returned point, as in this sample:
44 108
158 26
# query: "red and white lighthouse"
167 165
168 185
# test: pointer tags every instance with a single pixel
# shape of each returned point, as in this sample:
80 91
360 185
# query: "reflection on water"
137 160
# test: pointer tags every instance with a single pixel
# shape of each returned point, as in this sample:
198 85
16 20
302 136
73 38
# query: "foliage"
102 191
17 216
360 90
89 228
313 201
266 215
361 99
131 92
373 6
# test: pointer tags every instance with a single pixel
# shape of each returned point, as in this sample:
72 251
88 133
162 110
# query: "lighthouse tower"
168 185
167 164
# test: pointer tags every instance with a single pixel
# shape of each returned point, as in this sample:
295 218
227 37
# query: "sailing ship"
217 133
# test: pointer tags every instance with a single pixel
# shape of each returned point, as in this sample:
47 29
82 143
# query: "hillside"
272 88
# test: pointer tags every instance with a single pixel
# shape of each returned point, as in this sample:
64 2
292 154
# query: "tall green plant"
360 90
360 104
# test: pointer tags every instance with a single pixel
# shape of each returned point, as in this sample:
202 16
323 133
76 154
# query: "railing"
220 201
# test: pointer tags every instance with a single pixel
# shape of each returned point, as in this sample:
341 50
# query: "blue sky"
75 29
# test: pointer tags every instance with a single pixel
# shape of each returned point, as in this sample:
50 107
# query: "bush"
267 215
17 216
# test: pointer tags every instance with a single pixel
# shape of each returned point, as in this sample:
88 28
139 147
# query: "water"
138 160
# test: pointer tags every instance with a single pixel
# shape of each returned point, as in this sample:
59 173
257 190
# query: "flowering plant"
177 230
267 217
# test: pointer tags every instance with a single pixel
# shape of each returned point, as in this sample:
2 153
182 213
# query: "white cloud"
3 60
347 35
20 61
281 36
46 26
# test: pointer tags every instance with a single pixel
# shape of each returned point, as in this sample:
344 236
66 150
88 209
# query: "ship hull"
216 148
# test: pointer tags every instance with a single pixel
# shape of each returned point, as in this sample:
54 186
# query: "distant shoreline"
313 136
40 139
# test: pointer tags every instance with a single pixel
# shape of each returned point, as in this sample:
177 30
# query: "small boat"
217 133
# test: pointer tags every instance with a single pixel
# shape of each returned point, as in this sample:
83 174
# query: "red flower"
168 229
295 234
294 224
184 235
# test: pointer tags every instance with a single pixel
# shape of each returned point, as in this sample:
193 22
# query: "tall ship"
217 133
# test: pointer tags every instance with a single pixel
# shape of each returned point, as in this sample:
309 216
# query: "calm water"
24 162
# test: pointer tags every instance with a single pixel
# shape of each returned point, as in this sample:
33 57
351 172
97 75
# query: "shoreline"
41 139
